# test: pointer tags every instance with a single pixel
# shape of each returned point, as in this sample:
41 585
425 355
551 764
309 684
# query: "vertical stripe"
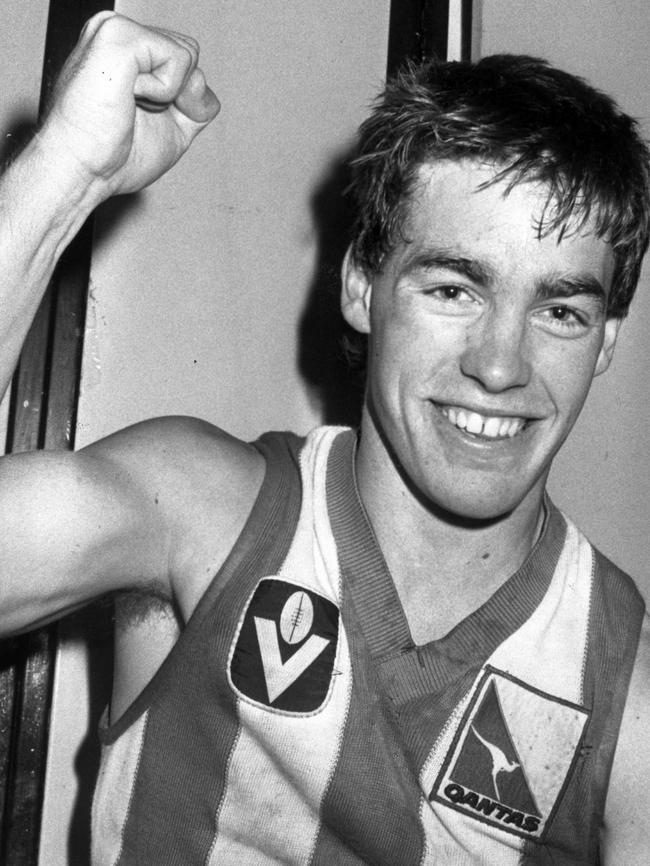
192 723
281 764
615 622
115 784
557 629
278 773
370 812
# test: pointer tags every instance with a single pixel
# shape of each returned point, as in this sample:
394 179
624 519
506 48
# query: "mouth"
492 427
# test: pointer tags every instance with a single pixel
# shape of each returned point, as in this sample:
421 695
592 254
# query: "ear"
609 343
356 291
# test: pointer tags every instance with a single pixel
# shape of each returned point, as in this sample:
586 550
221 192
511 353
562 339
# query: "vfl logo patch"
512 756
284 652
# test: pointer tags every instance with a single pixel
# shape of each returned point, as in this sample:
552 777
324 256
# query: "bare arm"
156 506
626 834
74 526
129 102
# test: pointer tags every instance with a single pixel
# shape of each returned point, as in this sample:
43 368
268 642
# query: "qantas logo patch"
512 756
283 656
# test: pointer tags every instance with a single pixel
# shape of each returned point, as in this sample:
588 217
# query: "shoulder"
178 453
170 440
626 834
201 481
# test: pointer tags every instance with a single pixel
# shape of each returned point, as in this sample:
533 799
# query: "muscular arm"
128 104
156 506
74 526
626 833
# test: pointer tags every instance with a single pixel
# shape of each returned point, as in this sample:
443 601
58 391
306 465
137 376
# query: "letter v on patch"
283 654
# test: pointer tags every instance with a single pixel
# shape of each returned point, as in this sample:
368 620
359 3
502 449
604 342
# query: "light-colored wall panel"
197 295
602 476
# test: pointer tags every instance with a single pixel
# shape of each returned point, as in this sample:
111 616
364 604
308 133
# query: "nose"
495 353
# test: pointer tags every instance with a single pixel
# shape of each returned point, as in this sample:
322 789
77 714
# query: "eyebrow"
569 287
478 271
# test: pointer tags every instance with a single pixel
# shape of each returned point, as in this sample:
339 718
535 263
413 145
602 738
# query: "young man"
391 648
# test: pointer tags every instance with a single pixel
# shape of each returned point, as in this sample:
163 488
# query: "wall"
204 287
198 294
602 476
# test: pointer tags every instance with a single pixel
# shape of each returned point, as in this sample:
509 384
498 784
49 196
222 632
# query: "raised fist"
128 103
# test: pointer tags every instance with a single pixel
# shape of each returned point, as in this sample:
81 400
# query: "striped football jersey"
296 722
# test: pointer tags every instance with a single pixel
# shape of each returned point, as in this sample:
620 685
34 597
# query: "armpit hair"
135 606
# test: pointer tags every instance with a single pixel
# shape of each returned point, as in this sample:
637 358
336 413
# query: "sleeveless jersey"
295 721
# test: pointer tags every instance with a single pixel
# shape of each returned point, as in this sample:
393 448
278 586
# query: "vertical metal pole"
467 23
418 29
42 414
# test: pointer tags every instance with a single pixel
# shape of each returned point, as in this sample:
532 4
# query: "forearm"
97 141
42 206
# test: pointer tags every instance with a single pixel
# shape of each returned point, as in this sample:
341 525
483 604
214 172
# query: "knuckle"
98 22
189 58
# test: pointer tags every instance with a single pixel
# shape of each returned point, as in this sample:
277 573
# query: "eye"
450 294
562 317
563 314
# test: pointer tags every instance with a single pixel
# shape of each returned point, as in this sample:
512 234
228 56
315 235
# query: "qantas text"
491 808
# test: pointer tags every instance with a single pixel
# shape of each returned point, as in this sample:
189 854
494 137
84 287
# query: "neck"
449 566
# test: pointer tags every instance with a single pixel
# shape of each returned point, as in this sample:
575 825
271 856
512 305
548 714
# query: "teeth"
479 425
504 428
475 423
492 428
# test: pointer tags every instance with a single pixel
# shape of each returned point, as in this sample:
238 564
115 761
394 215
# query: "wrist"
44 202
63 191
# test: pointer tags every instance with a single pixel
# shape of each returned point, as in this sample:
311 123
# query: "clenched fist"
128 103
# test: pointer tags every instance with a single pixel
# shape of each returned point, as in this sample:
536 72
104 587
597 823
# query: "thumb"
196 100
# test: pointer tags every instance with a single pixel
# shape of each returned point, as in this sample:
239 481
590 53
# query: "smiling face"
483 342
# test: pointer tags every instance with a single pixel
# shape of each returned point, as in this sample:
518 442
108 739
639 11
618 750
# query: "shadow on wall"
19 130
323 333
94 627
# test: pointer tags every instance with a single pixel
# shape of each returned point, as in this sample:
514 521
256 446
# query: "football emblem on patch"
284 651
512 756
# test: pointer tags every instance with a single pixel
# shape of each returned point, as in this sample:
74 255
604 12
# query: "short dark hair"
534 123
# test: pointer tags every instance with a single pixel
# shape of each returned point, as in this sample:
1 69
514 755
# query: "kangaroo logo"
489 762
500 764
284 653
512 755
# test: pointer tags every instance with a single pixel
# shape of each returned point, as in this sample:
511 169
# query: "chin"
477 512
482 507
